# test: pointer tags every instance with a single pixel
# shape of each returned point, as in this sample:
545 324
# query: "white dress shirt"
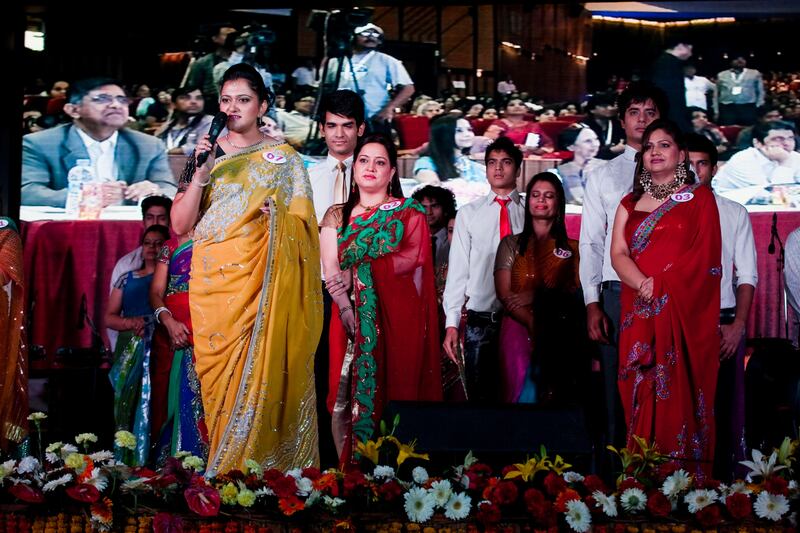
791 271
102 155
747 173
605 188
738 249
470 271
323 178
696 90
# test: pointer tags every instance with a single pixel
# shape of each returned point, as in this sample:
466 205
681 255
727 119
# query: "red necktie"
505 223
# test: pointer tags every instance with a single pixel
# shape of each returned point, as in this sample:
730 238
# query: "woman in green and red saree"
666 249
376 254
177 414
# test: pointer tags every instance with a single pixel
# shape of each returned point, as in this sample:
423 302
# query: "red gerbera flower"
658 504
739 505
290 505
564 497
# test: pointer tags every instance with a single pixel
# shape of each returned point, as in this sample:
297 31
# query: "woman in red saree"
378 243
666 249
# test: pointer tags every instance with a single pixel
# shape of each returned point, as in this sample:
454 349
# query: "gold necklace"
228 138
370 207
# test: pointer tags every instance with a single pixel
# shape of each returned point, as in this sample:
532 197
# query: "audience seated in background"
528 135
602 118
202 72
474 111
443 159
703 127
130 164
481 142
489 113
430 109
582 141
160 110
297 123
764 114
772 160
272 129
188 123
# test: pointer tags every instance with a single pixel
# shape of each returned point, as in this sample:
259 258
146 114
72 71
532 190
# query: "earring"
259 121
644 176
680 173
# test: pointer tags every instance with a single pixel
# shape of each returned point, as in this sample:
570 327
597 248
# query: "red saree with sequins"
396 354
669 346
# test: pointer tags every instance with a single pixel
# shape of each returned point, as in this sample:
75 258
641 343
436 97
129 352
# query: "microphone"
82 313
774 231
217 125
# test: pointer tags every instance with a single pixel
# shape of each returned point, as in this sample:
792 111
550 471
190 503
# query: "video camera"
257 38
337 27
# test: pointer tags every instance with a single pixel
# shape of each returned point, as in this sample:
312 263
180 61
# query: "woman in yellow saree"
254 292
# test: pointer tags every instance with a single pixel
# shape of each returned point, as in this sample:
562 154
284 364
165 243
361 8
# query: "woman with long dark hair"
378 243
543 354
443 160
666 249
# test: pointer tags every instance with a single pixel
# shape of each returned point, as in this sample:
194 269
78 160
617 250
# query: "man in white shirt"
697 88
739 251
155 210
639 105
771 160
341 123
479 227
304 75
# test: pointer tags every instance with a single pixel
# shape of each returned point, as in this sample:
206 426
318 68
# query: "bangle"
345 309
200 184
159 311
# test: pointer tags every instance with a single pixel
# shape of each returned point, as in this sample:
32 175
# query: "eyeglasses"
370 34
105 99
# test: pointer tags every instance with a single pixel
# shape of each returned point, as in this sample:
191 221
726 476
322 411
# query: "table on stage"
65 260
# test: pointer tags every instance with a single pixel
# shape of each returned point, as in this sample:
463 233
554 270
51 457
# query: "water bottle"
78 175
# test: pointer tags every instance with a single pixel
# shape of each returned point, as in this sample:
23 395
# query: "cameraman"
202 72
372 71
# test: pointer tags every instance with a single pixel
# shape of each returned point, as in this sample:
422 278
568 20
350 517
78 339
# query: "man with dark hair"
740 91
764 114
603 120
667 74
480 225
771 160
188 123
341 123
440 206
130 165
639 105
155 210
201 74
739 251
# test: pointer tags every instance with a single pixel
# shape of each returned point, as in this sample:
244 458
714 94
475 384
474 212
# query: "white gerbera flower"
99 481
54 484
458 506
296 473
27 465
264 491
699 499
633 500
419 475
68 449
771 506
608 503
573 477
793 485
99 457
740 487
383 472
675 483
51 457
332 503
578 516
304 486
441 491
419 504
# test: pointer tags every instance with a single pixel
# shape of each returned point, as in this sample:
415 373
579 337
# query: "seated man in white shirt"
639 105
341 123
771 160
480 225
739 252
155 210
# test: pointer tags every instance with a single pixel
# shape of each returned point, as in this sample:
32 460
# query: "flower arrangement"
391 478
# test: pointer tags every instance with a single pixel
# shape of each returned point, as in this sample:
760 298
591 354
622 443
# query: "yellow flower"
369 449
194 462
37 416
83 438
75 461
125 439
527 471
246 498
559 466
229 494
406 451
253 467
54 447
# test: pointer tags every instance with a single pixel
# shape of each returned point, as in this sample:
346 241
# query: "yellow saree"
256 308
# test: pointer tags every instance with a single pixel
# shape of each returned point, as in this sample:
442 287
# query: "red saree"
669 347
396 354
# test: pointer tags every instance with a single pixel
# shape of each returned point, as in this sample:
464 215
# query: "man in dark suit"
130 165
667 75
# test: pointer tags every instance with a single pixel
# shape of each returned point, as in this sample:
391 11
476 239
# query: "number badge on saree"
682 197
562 253
272 157
390 205
3 223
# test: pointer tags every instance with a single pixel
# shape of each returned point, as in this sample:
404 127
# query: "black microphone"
217 125
774 231
82 312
